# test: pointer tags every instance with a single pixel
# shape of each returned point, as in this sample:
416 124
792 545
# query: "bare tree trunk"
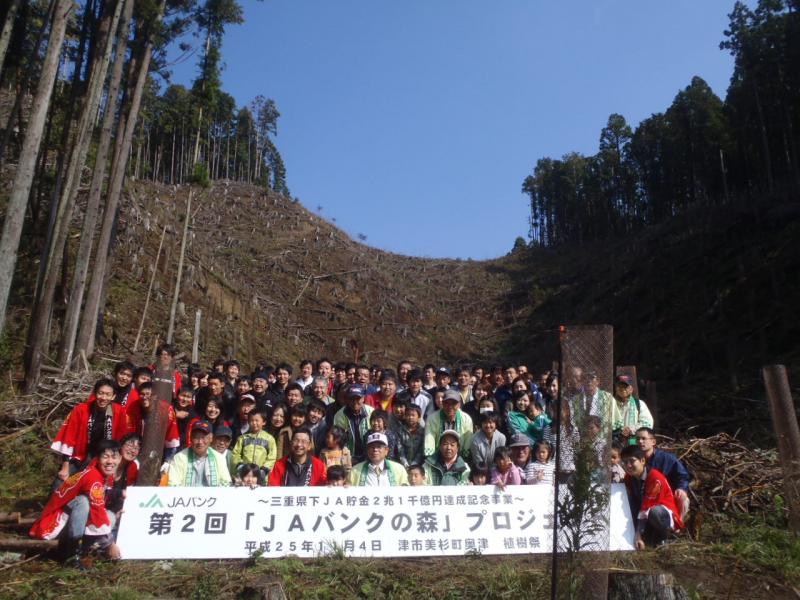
40 316
172 161
8 27
18 200
88 326
78 286
174 307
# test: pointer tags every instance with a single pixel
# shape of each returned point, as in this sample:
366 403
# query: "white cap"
377 438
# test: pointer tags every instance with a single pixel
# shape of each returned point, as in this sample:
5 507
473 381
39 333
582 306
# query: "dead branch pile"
55 397
727 475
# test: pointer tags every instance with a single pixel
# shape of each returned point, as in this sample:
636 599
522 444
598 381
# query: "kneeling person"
377 470
77 509
651 500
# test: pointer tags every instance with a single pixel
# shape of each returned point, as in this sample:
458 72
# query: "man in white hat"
377 470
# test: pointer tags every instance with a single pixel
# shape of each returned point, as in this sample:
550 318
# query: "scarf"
307 478
213 479
107 431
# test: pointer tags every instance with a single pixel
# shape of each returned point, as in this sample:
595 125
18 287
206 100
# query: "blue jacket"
672 468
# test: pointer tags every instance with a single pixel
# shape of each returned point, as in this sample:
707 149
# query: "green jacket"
259 449
397 474
434 428
435 473
340 420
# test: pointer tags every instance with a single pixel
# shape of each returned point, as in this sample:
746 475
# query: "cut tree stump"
637 586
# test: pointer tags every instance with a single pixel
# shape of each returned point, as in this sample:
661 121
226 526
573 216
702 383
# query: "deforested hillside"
274 282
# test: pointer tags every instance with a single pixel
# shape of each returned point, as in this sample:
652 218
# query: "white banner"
176 522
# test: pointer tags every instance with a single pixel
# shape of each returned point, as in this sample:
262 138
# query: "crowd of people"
347 424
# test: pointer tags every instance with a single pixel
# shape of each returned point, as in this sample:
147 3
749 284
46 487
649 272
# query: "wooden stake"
787 432
196 341
149 290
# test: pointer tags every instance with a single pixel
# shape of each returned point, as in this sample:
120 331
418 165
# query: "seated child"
541 468
479 475
650 499
336 452
411 436
250 475
505 472
337 476
416 475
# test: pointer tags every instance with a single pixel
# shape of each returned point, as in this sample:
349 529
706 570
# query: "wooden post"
149 291
176 295
651 396
196 341
787 432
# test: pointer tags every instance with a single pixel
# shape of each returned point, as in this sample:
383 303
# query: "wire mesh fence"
583 440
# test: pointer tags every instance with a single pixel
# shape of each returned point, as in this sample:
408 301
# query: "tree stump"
636 586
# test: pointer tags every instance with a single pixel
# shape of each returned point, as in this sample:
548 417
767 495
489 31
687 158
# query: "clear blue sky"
415 122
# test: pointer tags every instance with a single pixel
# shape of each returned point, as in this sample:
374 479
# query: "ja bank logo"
154 502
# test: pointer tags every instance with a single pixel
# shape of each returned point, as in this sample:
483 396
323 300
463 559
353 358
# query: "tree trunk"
18 200
173 308
8 27
78 286
149 291
89 322
633 586
40 316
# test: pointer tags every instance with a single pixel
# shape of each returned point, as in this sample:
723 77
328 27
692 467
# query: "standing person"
324 368
464 385
256 446
280 429
377 470
414 392
450 417
592 401
403 368
319 390
277 391
651 499
411 436
99 418
306 374
184 411
260 389
214 390
300 468
480 391
632 412
387 389
77 511
446 467
199 465
486 440
550 396
315 421
354 419
667 464
504 392
429 378
164 368
123 381
241 422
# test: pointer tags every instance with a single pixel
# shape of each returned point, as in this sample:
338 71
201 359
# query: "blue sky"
415 122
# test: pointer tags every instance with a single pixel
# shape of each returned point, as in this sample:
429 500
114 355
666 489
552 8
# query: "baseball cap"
443 371
451 432
451 395
222 430
377 438
356 391
203 426
624 379
247 398
519 439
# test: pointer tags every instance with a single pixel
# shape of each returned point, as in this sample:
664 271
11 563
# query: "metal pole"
787 432
554 558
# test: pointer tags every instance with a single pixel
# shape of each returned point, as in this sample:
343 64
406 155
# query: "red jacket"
72 439
656 492
375 401
91 483
319 474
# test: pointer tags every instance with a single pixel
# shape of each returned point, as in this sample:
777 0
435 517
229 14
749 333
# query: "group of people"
347 424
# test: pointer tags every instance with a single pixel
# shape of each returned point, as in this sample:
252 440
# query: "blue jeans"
658 525
79 515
